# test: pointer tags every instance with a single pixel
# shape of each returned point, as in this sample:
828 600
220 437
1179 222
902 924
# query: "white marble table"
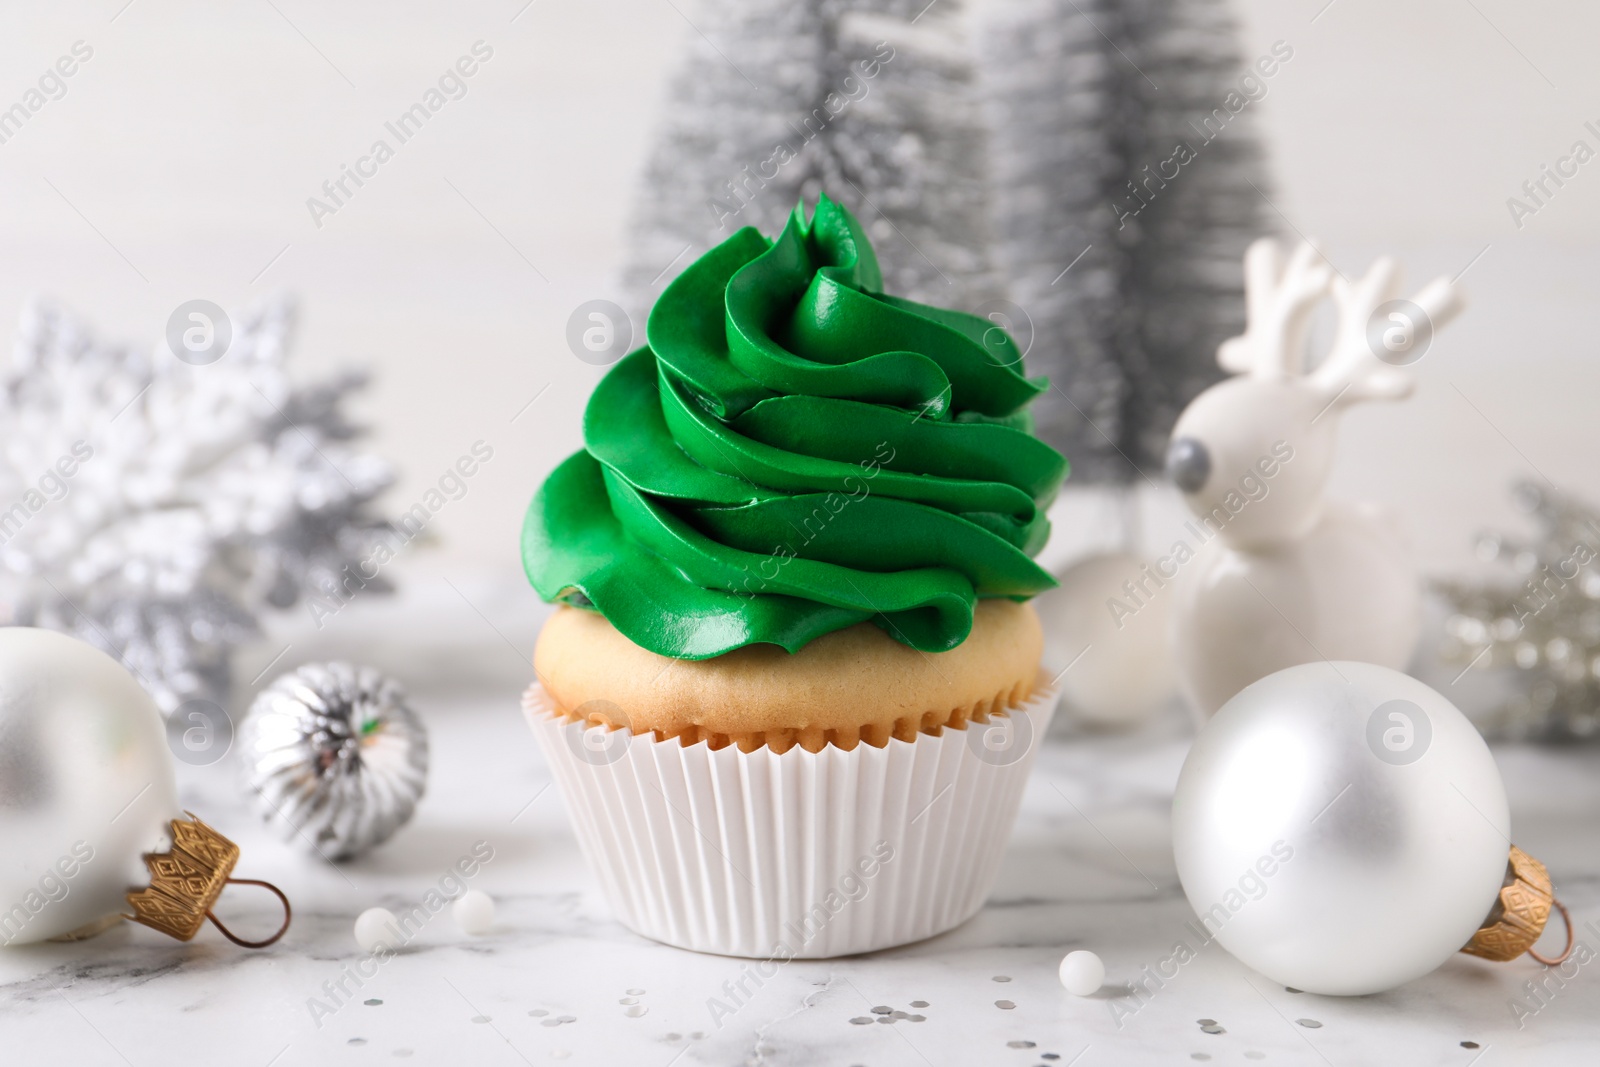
1089 866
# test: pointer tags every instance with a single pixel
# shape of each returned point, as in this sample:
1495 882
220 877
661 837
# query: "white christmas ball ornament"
86 785
1341 828
1106 627
377 928
473 912
1082 973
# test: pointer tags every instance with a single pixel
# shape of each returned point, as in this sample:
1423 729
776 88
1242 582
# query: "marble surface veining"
557 979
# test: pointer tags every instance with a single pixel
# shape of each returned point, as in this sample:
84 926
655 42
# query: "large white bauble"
1341 828
86 784
1115 639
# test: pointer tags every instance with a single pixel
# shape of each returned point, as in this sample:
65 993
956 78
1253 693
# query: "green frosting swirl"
793 452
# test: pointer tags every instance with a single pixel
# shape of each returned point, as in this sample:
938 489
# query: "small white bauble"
1340 827
473 912
1108 620
377 928
86 785
1082 973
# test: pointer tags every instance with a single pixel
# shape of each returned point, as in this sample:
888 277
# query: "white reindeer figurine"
1284 576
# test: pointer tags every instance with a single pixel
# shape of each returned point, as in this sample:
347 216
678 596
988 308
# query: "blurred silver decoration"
334 757
1539 617
155 507
875 104
1121 215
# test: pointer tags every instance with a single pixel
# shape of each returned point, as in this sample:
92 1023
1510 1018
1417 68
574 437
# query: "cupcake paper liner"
799 855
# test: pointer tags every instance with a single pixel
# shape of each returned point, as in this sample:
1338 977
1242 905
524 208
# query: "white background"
179 162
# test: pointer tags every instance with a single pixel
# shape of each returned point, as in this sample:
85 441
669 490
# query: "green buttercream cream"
794 452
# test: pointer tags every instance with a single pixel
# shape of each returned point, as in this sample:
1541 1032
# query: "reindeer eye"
1188 464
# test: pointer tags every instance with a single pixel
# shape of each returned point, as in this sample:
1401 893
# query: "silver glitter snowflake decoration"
1539 617
155 508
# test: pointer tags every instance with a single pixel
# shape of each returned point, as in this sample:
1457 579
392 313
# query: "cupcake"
792 682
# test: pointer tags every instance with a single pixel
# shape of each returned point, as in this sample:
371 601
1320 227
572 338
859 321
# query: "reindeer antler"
1279 299
1354 368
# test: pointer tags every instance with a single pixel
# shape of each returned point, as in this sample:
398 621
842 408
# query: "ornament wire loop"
1566 921
288 914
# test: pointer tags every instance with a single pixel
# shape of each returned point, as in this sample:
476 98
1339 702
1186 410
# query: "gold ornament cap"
187 879
1520 914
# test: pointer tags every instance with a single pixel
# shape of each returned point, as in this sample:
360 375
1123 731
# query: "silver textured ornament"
334 757
206 495
1533 620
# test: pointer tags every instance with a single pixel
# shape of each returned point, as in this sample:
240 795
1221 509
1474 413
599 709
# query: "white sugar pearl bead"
474 912
375 927
1082 973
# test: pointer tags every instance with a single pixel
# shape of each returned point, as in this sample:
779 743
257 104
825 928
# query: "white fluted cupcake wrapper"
803 854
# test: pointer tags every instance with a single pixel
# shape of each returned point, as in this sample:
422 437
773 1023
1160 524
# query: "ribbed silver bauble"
334 757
